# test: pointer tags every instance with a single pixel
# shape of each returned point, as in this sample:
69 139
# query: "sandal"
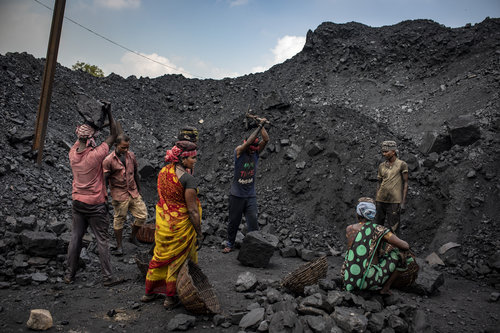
170 303
227 249
112 281
149 298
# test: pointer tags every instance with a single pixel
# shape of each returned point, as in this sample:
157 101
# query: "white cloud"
133 64
208 71
220 73
260 69
118 4
285 48
234 3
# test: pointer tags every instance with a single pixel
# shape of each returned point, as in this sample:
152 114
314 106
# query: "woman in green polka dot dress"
375 256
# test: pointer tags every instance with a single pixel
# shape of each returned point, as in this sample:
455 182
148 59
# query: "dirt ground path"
460 306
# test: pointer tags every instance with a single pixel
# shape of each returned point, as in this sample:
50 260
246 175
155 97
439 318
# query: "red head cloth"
86 131
254 146
181 149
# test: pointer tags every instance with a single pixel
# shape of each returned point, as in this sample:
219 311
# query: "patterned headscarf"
389 145
86 131
367 210
181 149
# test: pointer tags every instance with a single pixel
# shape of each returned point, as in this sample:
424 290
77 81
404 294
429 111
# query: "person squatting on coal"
242 197
392 187
121 170
375 257
89 198
178 235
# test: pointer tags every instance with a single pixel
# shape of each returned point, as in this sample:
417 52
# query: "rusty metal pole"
42 116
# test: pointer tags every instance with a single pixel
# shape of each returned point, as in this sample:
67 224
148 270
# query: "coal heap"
433 89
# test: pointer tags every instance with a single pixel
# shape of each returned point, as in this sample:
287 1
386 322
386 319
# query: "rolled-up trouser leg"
120 213
138 210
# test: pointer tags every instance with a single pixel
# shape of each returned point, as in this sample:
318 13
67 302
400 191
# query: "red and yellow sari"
175 236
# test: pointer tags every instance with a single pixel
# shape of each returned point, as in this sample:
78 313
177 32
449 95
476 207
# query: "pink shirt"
121 177
88 178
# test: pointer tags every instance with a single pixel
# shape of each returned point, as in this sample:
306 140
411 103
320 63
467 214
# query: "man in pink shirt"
89 198
121 170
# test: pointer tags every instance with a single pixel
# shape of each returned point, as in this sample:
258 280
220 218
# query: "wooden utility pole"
42 116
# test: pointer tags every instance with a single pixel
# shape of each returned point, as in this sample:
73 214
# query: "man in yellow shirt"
392 187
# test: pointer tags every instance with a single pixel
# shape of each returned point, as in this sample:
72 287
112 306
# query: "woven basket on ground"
146 233
142 261
195 291
409 276
306 275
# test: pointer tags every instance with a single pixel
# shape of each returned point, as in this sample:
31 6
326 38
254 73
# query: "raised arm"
265 136
112 125
241 148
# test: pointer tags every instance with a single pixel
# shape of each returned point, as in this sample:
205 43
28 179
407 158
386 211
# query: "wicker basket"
146 233
409 276
142 261
306 275
195 291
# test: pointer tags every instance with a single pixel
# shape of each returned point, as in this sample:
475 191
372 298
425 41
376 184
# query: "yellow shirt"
391 187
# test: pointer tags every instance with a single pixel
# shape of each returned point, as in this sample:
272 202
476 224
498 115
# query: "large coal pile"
433 89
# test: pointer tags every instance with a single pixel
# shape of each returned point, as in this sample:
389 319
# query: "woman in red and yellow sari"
178 223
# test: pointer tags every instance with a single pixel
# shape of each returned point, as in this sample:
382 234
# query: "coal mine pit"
432 89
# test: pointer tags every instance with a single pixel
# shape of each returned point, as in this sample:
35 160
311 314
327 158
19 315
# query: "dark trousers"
237 207
389 211
95 216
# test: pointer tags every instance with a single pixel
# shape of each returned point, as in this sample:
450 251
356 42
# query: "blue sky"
205 38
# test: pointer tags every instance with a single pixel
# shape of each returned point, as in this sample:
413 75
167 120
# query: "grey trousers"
95 216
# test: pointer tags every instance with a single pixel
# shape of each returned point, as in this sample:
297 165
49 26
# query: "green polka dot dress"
359 270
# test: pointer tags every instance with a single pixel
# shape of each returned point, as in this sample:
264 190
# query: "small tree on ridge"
91 69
